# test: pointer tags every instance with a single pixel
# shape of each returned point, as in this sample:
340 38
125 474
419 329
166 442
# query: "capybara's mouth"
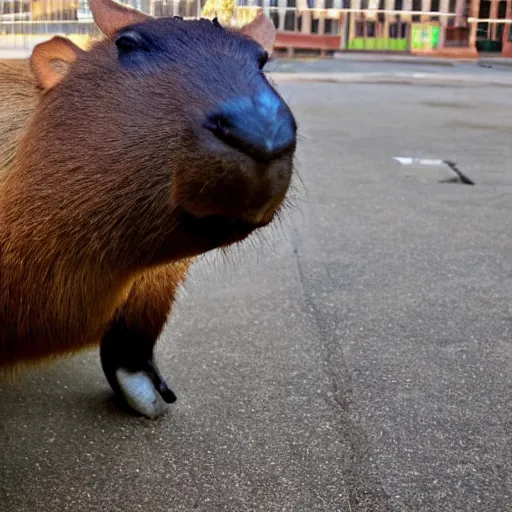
220 230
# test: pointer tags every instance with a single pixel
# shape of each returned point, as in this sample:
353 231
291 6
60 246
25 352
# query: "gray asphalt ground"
395 69
356 358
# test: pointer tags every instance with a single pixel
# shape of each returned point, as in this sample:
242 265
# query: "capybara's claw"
159 383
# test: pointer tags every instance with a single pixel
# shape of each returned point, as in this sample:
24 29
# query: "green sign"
425 36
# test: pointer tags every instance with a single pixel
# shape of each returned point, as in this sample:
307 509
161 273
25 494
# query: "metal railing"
358 29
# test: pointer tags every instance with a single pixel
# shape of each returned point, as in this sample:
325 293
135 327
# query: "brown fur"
18 100
97 188
144 299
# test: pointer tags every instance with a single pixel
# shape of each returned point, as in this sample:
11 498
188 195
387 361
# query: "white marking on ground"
426 162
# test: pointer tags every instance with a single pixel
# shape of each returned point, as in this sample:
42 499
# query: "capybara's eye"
262 59
130 40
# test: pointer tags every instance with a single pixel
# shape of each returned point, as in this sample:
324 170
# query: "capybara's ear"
262 30
50 61
111 16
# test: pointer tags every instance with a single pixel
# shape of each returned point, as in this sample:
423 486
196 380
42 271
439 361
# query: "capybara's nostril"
262 127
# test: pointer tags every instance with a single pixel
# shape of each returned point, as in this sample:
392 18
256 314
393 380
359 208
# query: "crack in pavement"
363 486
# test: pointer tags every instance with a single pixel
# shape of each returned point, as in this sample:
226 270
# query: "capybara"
119 166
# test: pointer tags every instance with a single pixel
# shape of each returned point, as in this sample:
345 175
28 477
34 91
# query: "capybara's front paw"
132 373
144 391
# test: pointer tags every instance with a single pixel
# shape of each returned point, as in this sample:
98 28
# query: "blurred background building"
450 27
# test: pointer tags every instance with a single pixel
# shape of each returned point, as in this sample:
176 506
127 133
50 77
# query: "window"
289 17
274 15
398 30
315 26
381 6
399 5
485 9
289 20
434 6
416 6
499 32
502 11
482 30
370 29
331 26
15 7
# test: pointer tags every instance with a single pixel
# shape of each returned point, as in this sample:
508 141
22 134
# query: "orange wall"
507 47
307 41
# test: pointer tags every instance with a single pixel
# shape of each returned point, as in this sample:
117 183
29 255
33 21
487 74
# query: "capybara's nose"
262 127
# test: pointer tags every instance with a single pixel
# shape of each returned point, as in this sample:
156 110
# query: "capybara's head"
167 124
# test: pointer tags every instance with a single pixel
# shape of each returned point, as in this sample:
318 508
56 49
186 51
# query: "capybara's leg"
127 348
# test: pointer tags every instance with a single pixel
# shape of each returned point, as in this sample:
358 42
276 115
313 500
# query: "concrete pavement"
397 77
357 358
367 68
